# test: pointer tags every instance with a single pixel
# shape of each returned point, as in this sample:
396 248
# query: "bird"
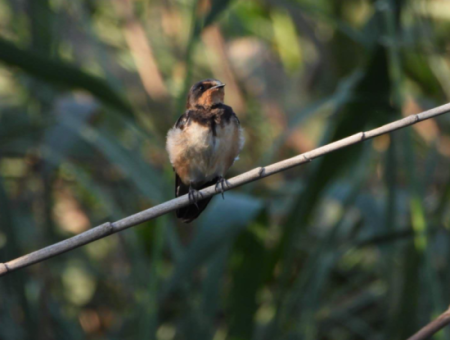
202 145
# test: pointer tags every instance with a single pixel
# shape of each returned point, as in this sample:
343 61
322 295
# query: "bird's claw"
194 196
221 184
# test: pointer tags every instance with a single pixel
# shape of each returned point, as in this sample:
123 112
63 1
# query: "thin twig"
250 176
433 327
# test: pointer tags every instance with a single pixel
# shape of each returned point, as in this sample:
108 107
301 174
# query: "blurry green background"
354 245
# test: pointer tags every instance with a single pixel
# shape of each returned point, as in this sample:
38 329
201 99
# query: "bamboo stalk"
433 327
247 177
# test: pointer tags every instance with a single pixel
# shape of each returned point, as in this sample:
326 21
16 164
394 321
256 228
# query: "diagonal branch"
109 228
433 327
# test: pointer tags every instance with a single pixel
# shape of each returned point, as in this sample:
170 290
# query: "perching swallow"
203 145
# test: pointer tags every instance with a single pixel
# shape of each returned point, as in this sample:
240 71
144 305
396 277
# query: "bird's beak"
217 86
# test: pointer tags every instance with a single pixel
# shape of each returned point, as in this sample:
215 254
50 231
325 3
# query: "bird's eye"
201 88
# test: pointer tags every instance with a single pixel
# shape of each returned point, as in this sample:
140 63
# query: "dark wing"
183 120
237 119
226 113
191 212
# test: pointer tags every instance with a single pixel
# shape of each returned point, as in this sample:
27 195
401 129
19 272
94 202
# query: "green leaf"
217 7
221 222
248 265
61 73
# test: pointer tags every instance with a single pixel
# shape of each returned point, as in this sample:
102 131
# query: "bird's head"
206 93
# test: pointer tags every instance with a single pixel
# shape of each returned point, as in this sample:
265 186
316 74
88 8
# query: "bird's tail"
191 212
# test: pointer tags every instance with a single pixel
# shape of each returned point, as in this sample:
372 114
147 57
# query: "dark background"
354 245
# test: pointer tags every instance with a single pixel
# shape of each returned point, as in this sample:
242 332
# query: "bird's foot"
221 184
194 196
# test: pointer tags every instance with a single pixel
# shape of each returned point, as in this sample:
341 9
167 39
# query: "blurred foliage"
354 245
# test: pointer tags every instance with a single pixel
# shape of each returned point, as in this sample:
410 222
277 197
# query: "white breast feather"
207 154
